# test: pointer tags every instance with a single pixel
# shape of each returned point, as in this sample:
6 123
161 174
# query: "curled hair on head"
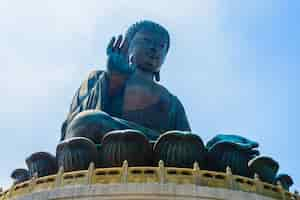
146 25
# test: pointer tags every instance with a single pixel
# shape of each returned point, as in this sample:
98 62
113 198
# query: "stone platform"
145 183
145 191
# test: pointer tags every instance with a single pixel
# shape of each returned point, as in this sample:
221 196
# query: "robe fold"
93 94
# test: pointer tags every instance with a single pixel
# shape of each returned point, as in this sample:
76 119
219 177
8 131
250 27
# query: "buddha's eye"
147 40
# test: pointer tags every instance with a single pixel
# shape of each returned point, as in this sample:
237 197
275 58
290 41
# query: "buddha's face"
148 50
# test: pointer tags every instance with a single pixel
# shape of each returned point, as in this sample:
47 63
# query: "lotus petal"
179 149
76 153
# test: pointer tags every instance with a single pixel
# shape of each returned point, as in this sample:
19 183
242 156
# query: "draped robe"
93 94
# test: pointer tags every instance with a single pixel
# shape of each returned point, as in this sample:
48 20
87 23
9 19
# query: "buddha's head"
148 45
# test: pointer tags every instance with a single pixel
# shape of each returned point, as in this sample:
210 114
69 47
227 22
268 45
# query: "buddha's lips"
154 57
152 54
151 63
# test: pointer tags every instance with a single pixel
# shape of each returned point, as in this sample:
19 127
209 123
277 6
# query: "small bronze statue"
232 151
126 92
265 167
285 180
41 164
20 175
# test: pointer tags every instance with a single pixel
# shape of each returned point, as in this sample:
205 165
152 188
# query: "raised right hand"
117 60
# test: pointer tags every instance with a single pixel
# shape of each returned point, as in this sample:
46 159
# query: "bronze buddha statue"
126 93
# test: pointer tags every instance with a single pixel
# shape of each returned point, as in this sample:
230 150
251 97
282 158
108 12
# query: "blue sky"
233 64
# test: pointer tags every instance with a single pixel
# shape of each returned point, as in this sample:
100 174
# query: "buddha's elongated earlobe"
157 76
131 65
130 59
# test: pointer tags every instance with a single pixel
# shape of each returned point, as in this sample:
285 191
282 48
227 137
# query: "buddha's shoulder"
163 92
168 97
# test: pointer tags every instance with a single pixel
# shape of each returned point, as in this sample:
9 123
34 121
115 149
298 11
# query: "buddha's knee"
92 124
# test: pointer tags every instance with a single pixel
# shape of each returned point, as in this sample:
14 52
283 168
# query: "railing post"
196 174
229 178
281 190
32 182
296 193
161 171
258 184
90 173
10 191
59 177
124 172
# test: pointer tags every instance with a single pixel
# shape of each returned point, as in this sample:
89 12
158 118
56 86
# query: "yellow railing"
160 174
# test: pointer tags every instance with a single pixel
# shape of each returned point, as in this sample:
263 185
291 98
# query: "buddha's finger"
110 46
117 45
124 46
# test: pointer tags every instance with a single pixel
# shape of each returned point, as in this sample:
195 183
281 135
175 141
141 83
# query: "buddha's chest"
145 107
138 98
